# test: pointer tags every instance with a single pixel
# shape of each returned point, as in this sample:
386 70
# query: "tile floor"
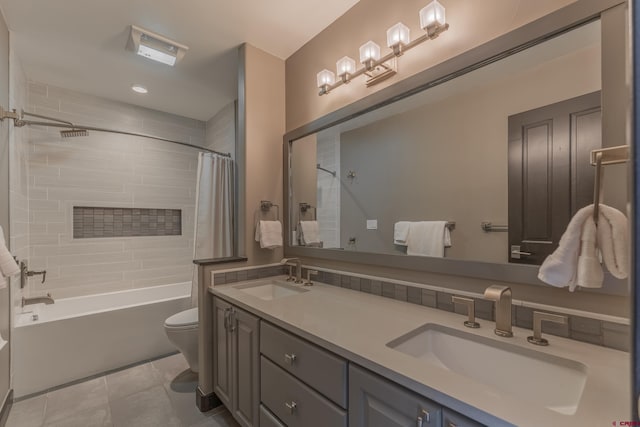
155 394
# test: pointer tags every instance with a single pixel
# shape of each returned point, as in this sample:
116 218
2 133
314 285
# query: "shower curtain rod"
19 121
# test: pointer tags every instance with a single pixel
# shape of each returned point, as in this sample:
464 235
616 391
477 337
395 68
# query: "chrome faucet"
37 300
298 267
502 296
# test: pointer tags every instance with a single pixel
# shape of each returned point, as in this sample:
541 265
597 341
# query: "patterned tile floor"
156 394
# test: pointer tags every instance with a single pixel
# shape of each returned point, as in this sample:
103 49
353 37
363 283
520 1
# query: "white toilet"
182 331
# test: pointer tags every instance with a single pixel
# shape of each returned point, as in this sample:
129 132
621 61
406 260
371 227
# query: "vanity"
291 355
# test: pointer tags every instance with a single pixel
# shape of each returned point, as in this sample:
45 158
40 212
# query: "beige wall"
264 127
472 23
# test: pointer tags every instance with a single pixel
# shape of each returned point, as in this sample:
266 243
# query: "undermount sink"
272 290
539 378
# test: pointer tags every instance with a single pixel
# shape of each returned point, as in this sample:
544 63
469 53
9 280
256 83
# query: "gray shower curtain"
213 236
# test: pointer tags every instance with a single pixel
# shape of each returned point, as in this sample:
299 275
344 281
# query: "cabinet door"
246 387
222 351
376 402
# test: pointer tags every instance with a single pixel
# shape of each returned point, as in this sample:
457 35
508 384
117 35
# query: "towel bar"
488 227
603 157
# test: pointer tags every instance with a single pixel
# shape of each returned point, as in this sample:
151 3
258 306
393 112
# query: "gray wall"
5 299
448 160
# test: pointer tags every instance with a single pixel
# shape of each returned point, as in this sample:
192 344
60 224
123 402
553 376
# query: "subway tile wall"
108 171
17 237
328 190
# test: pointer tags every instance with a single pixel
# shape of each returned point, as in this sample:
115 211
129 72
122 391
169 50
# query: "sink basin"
271 290
532 376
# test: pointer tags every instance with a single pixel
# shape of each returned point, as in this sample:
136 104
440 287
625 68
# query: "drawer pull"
290 358
292 407
424 417
451 424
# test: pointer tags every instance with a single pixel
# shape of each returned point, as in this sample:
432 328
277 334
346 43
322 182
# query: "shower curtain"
213 237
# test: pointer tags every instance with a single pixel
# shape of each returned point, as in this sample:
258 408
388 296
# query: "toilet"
182 331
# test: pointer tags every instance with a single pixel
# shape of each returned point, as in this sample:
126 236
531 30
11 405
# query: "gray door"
246 362
550 177
376 402
222 351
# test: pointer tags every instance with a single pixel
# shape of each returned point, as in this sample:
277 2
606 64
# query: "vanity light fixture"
155 46
376 68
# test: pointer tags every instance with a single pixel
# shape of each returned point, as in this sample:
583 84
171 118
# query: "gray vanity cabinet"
376 402
236 372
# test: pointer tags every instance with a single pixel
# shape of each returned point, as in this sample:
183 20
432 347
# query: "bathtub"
84 336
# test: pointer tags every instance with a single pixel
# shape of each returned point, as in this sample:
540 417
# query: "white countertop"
357 326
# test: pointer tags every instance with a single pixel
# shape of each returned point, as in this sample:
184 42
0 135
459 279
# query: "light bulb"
398 35
346 66
369 51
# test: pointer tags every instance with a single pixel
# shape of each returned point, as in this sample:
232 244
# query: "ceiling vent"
154 46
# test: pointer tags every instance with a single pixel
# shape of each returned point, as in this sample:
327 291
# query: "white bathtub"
83 336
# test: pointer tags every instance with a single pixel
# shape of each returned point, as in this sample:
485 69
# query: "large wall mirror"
499 154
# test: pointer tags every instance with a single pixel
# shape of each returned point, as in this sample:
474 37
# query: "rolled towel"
401 232
612 238
269 234
309 233
589 273
8 265
573 263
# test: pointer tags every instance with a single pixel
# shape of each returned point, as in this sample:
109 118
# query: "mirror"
445 154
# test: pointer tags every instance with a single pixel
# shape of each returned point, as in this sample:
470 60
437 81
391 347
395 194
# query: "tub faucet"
298 267
502 296
37 300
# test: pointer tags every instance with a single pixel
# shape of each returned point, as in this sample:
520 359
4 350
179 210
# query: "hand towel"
269 234
8 265
401 232
576 263
427 238
309 233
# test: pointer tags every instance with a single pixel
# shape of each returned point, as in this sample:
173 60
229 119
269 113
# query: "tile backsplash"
580 328
90 222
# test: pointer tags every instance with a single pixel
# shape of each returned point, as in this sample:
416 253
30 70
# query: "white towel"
269 234
427 238
576 263
8 265
309 233
401 232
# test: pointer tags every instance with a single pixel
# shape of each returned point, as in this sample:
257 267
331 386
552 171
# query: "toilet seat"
187 319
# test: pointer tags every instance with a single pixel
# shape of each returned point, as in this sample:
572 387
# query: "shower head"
72 133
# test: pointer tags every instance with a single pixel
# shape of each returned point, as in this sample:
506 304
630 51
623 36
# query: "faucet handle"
471 310
538 318
309 274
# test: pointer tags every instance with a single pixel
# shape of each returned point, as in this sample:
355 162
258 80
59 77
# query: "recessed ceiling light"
139 89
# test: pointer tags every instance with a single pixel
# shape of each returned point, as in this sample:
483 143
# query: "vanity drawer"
322 370
293 402
453 419
267 419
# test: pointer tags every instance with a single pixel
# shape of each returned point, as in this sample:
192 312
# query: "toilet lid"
184 318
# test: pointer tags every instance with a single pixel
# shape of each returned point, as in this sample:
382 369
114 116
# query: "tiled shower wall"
107 170
18 172
328 191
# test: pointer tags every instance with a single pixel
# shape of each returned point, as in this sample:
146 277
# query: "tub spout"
37 300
